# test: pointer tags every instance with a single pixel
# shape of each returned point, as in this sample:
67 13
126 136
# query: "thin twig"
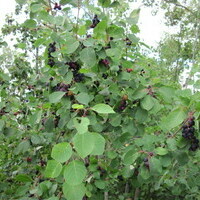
180 5
105 195
137 192
77 18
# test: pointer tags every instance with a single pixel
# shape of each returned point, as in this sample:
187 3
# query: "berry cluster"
102 171
51 49
56 121
95 21
188 133
105 76
150 91
57 7
123 105
78 77
105 62
120 69
3 111
146 162
142 72
62 87
128 42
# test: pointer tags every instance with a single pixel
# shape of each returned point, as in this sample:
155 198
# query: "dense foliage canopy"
85 113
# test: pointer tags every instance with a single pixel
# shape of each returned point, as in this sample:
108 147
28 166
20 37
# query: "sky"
152 28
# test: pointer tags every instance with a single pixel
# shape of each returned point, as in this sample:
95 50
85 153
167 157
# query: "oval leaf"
99 144
147 103
56 96
161 151
130 157
88 56
61 152
103 108
75 172
53 169
84 144
74 192
174 119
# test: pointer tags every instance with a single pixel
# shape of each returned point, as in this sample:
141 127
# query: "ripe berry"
151 153
193 147
105 62
51 62
74 66
146 164
95 21
129 43
120 178
142 72
191 123
57 7
105 76
184 126
125 97
146 159
78 77
28 159
129 70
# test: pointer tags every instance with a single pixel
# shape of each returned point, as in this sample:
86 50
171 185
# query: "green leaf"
53 169
161 151
174 119
71 45
77 106
103 108
84 144
116 120
30 23
99 144
74 192
88 57
104 3
144 173
36 7
23 178
83 98
100 184
82 30
75 172
21 45
155 166
130 157
168 93
134 17
56 96
69 77
147 103
81 124
61 152
22 147
35 118
2 124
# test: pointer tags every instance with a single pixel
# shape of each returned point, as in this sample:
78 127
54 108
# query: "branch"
180 5
137 192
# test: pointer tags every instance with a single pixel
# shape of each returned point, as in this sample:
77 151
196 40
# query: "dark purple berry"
184 126
105 76
191 123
